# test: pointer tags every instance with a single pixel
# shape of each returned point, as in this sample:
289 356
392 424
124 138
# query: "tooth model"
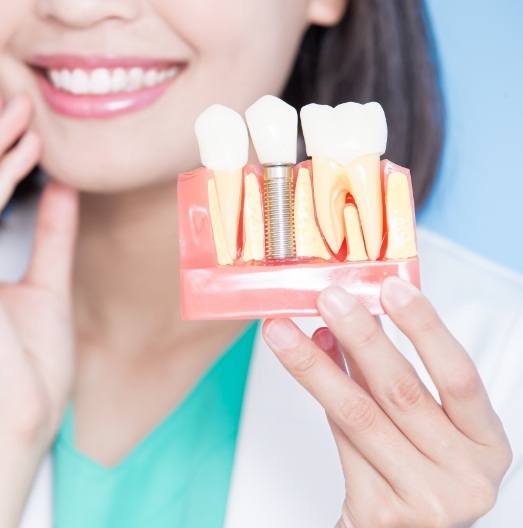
224 149
273 125
263 241
345 144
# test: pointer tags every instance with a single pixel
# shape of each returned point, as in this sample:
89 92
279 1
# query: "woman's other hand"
19 148
36 337
407 460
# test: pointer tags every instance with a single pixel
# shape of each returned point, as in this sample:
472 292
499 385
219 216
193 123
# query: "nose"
87 13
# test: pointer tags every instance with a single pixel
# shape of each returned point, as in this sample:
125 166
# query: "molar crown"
346 132
223 138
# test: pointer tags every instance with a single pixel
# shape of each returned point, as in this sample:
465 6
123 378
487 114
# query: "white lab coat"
286 471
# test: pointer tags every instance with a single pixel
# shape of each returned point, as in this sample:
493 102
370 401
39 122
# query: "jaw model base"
262 289
279 291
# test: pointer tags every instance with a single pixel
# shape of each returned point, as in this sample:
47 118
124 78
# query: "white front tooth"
118 80
224 148
135 79
67 80
345 144
56 78
162 76
79 82
273 125
100 82
150 78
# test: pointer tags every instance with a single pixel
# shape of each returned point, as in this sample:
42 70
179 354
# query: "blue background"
477 200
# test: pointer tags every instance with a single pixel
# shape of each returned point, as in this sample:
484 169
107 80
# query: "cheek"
241 44
11 14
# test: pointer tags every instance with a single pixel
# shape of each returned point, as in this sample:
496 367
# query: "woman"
113 342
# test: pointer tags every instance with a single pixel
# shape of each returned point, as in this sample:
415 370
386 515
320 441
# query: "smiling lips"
102 87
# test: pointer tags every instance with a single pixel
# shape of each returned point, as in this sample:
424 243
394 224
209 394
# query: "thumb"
54 238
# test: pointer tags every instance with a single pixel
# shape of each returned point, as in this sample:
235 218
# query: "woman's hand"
407 460
36 338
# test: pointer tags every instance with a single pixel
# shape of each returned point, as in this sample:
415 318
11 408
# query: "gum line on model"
261 241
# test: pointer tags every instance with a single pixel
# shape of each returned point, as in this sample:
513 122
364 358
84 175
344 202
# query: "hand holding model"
407 460
36 356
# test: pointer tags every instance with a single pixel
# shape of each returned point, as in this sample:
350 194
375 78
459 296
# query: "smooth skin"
407 460
97 317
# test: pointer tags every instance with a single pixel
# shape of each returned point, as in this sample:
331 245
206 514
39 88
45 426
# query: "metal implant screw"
279 207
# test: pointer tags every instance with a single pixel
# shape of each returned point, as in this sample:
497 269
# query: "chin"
91 173
100 162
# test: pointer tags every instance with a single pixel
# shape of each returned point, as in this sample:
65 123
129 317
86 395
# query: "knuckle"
357 413
482 495
427 320
304 364
388 518
506 456
464 382
407 393
366 335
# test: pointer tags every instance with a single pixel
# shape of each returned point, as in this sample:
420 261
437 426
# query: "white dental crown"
345 132
223 138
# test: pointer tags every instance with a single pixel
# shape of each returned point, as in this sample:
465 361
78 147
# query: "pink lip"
98 106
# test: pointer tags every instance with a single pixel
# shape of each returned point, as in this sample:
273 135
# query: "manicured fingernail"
281 333
397 292
336 301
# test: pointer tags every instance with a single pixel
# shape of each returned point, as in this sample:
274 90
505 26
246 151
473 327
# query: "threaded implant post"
279 207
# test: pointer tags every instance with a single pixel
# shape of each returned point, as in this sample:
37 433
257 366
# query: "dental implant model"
273 125
263 241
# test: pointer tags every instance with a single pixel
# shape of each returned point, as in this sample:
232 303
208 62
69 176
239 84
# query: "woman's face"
154 65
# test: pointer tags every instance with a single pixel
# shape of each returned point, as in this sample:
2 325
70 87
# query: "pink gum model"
261 289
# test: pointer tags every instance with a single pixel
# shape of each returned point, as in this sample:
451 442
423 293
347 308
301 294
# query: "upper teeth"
345 144
273 125
102 81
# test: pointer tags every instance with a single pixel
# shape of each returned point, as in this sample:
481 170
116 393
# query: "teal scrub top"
178 476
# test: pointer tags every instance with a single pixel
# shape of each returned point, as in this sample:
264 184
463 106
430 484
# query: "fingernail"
281 333
325 339
336 301
397 292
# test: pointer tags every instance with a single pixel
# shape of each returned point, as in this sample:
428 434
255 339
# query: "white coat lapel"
39 508
287 471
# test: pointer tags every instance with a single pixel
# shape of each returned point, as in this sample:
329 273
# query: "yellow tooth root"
355 244
308 238
229 191
222 254
400 224
253 235
361 178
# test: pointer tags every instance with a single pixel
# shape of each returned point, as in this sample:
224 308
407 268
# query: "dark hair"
381 51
